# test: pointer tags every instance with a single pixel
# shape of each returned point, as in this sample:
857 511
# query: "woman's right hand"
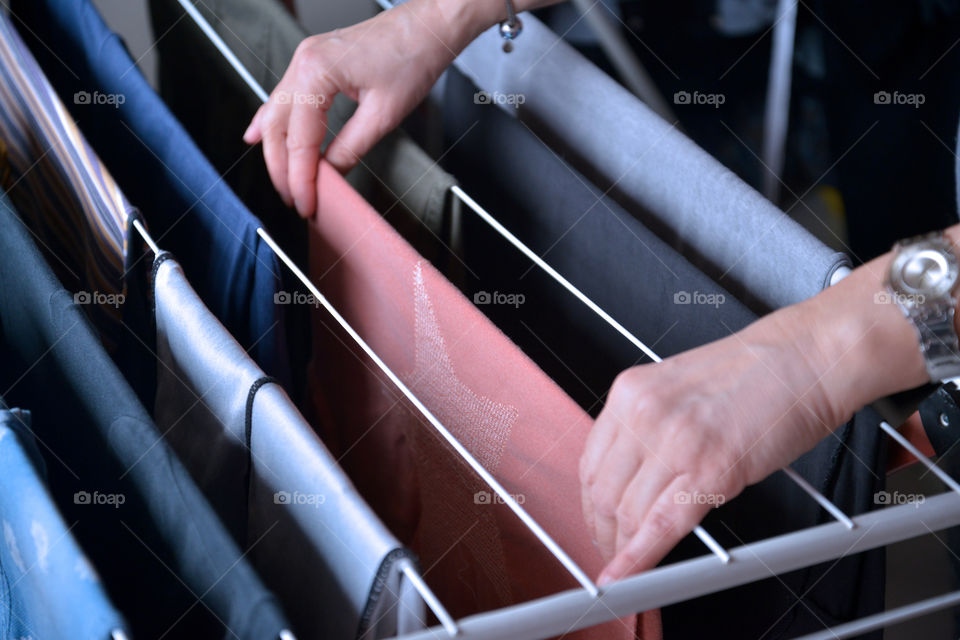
387 64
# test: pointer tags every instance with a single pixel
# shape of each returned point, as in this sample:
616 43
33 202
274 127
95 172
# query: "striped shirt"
65 195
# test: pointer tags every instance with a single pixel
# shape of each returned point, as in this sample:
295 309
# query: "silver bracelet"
510 28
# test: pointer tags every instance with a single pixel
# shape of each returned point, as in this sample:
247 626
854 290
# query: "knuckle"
659 522
626 519
604 502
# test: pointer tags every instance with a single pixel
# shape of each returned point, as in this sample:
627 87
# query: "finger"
308 127
638 497
369 123
616 470
274 127
601 436
665 524
253 134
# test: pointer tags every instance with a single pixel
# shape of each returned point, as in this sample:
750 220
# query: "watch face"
927 268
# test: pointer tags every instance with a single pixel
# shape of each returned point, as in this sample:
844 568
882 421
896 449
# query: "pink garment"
529 434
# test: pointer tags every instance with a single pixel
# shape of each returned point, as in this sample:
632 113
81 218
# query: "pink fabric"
476 555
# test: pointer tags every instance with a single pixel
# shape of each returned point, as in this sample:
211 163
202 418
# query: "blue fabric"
190 210
48 589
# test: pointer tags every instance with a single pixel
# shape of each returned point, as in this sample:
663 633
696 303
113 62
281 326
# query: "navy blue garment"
672 306
48 588
190 209
166 560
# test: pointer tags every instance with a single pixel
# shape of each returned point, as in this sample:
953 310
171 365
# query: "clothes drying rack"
722 569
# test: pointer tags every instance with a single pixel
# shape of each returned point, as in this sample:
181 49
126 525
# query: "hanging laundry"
166 559
48 587
509 415
312 538
186 202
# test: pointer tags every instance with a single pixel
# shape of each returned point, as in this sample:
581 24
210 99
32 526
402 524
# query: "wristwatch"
922 282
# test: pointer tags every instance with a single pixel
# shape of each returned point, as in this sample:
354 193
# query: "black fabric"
163 548
625 269
610 256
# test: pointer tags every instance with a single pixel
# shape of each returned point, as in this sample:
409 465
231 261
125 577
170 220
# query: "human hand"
387 64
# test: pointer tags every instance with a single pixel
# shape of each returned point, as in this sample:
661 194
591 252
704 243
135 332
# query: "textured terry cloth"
48 588
645 285
318 545
163 548
70 200
184 199
712 217
635 277
517 423
215 105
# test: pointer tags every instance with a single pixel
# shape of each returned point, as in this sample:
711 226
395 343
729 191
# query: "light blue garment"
48 588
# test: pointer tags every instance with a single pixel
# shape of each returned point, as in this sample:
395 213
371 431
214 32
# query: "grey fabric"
313 538
713 218
214 104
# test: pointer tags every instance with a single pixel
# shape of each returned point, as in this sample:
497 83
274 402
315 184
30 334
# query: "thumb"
369 123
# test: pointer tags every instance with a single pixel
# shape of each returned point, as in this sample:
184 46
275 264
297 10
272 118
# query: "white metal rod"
146 237
887 618
571 610
429 597
777 115
224 49
831 508
487 477
929 464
